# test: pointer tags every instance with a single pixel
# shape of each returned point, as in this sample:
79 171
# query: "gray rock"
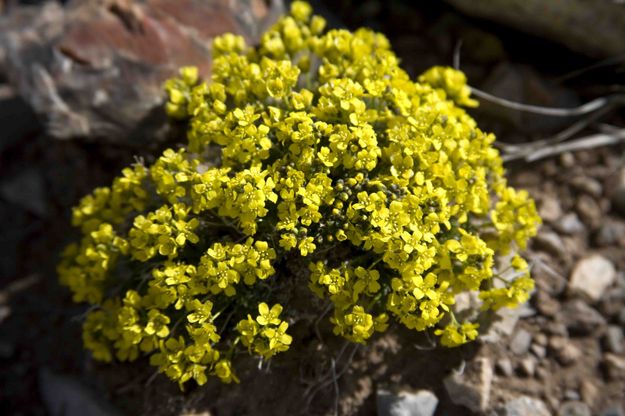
587 184
504 322
66 396
614 410
520 342
504 367
614 339
546 276
524 406
574 408
545 304
610 233
615 366
592 276
471 388
420 403
570 224
589 211
550 209
550 242
580 318
571 395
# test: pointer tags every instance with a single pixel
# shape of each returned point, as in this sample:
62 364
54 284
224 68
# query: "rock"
545 304
471 388
615 366
589 392
588 185
614 339
589 211
95 69
610 233
524 406
542 373
26 190
539 351
621 317
420 403
567 160
571 395
564 350
63 395
547 278
614 410
592 276
541 339
520 342
574 408
527 366
582 319
569 224
618 196
504 367
558 22
612 302
550 209
550 242
504 321
557 329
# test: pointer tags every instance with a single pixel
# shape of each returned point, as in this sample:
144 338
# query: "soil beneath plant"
564 348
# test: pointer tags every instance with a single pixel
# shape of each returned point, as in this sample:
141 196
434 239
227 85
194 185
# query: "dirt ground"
566 350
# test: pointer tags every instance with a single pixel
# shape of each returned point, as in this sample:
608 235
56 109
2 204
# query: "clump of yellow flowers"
314 144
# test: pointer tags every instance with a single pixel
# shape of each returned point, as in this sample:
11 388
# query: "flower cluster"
313 145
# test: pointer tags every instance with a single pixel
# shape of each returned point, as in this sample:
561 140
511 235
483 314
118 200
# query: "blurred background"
81 97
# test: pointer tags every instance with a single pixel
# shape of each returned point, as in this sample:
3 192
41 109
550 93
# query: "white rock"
520 342
524 406
592 276
472 387
420 403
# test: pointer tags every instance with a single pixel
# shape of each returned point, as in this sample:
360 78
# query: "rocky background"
80 94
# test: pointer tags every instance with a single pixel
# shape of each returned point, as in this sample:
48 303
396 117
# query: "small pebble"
574 408
615 366
591 276
527 366
539 351
504 367
541 339
614 339
589 392
570 224
520 342
588 185
565 351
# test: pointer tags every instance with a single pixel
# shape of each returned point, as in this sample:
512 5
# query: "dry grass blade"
587 108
